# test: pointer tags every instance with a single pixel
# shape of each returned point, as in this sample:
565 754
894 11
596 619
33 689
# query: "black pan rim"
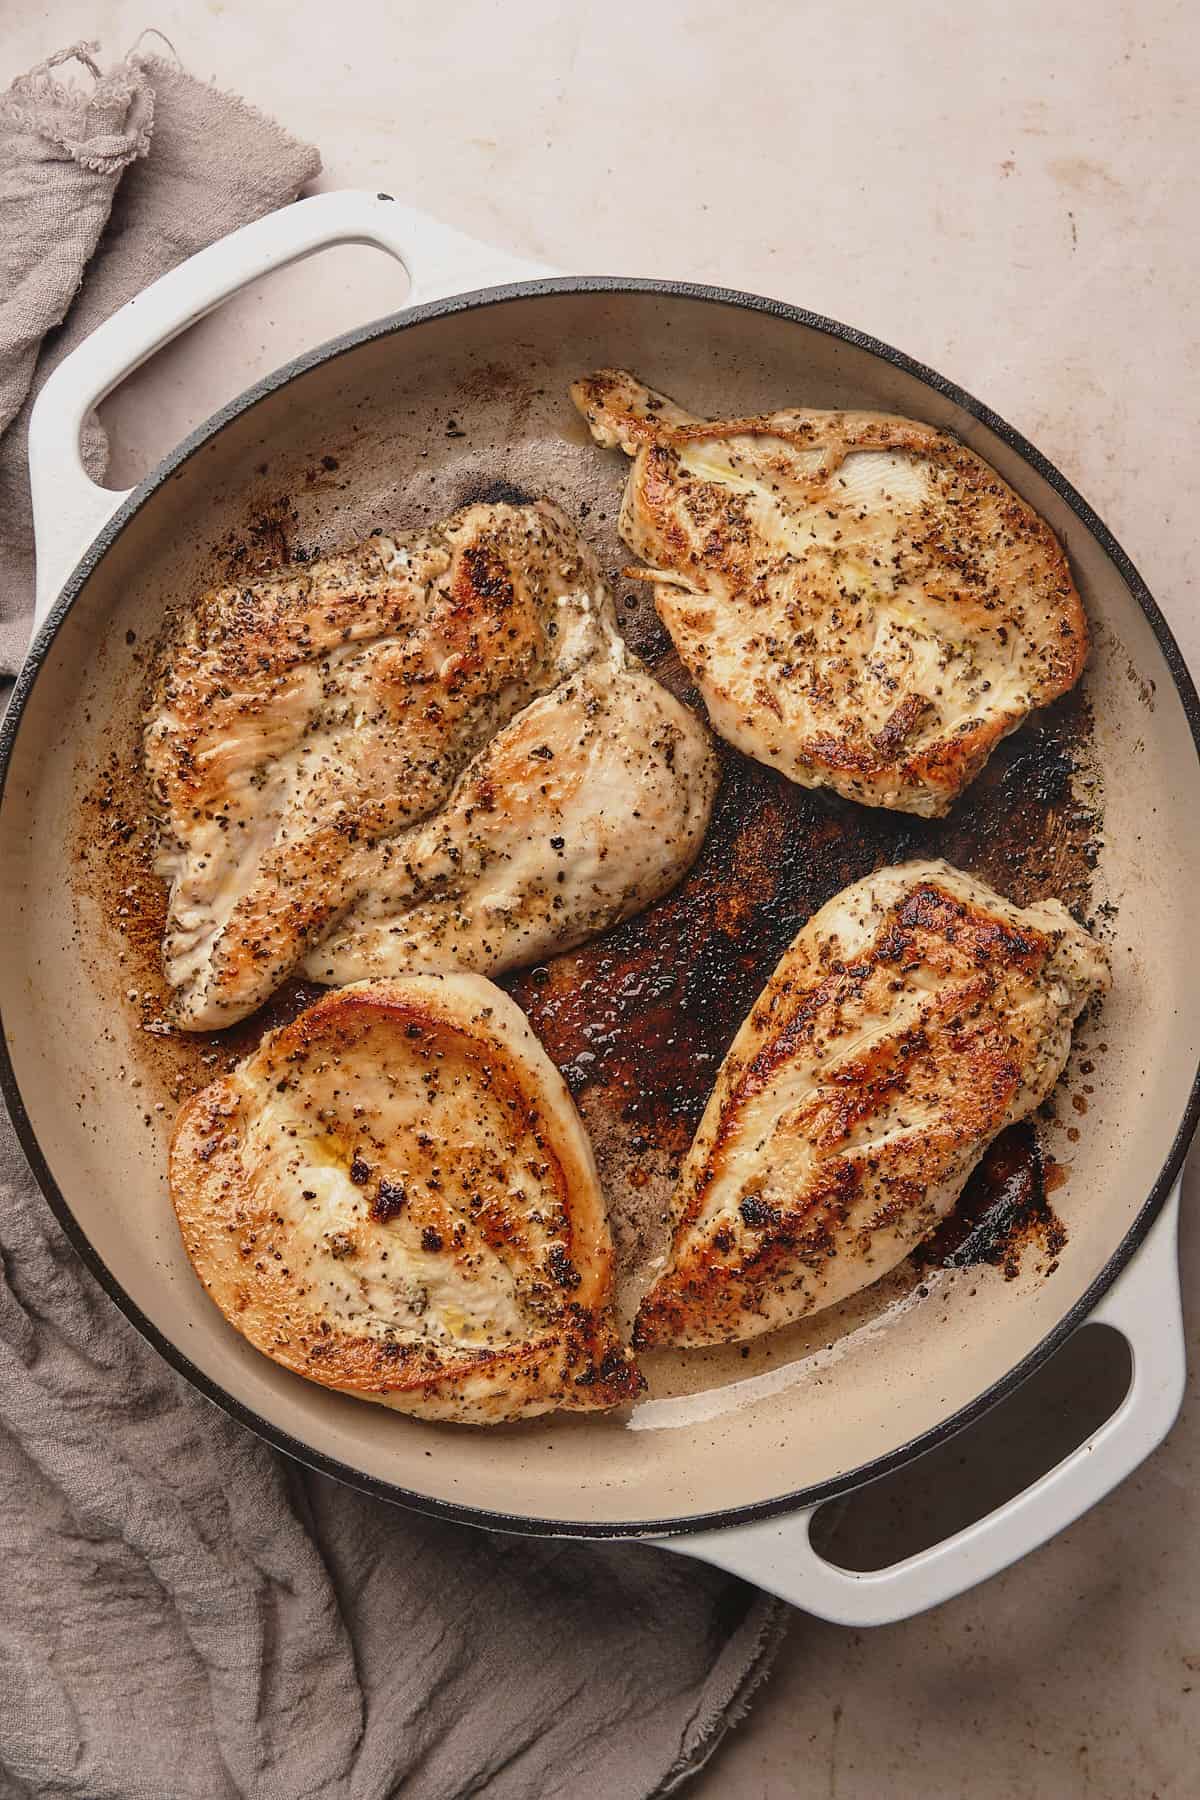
479 1516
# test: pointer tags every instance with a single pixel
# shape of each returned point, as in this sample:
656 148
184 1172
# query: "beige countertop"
1008 192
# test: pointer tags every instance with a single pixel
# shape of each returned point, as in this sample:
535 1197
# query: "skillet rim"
520 1524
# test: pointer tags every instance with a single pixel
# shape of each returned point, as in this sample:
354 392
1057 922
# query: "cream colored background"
1006 190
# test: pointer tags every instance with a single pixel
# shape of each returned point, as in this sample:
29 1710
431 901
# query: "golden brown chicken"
863 602
394 1196
305 721
912 1019
587 807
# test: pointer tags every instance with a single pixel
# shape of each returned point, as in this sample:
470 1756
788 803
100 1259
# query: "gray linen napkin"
185 1614
62 153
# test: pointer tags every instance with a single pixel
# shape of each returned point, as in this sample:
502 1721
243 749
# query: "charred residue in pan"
267 542
640 1020
1003 1212
494 493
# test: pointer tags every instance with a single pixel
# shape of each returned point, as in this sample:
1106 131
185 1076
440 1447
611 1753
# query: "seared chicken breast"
590 804
863 602
912 1019
310 717
394 1196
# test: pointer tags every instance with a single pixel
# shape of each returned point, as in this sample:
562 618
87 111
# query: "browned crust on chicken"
587 807
305 716
314 730
911 1020
880 645
394 1196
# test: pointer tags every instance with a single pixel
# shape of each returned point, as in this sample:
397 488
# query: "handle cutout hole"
279 316
989 1462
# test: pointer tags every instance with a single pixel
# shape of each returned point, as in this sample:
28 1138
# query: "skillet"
463 395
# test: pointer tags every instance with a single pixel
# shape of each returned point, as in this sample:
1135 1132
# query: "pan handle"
1144 1306
68 507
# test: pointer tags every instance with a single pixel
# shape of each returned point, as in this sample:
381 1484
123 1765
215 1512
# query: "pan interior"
404 427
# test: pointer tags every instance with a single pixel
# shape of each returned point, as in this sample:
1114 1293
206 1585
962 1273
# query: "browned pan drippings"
640 1020
1004 1213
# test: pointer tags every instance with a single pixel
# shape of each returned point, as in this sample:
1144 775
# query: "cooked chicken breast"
863 602
588 806
912 1018
394 1196
305 718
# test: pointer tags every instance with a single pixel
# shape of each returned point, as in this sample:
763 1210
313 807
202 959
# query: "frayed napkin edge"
65 115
